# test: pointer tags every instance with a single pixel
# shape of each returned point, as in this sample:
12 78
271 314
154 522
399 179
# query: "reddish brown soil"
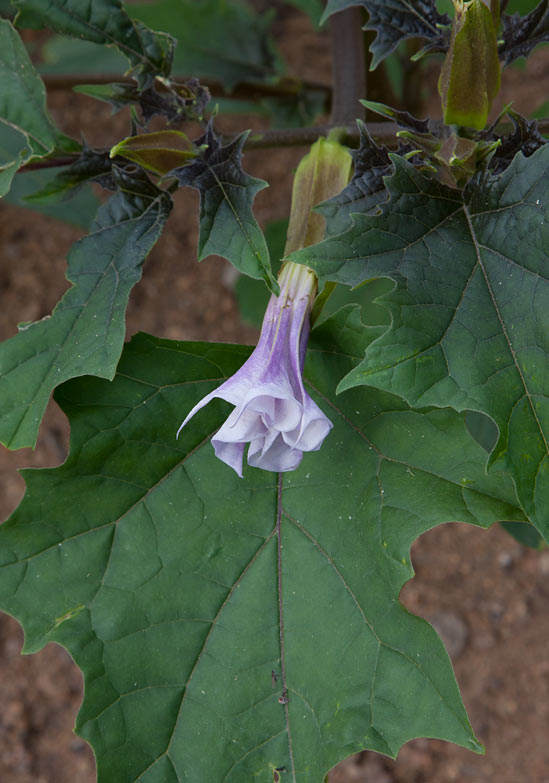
487 595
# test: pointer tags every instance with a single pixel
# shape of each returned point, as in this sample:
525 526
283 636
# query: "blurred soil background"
485 594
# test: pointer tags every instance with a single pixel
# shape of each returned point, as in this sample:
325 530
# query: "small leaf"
185 588
521 34
396 20
105 22
469 306
26 131
85 332
159 152
227 225
403 119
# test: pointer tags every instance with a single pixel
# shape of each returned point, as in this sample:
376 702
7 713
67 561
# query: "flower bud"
470 76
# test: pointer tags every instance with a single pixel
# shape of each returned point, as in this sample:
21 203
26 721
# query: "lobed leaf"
257 620
227 225
396 20
85 332
469 305
149 53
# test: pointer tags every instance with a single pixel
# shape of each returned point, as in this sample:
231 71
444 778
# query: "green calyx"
470 76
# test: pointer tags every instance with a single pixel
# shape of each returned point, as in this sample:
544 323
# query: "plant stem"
295 137
254 91
348 66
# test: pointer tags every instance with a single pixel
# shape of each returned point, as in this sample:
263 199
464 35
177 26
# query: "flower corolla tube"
272 411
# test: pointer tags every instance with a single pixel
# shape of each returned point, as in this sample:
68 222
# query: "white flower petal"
230 453
273 412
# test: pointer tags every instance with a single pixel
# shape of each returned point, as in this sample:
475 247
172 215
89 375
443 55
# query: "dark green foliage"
227 225
469 305
175 592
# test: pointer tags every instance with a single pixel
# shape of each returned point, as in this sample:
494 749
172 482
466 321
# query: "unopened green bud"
470 76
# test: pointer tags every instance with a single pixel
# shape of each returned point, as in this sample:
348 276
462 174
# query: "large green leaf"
227 627
85 333
469 307
26 130
227 224
396 20
104 22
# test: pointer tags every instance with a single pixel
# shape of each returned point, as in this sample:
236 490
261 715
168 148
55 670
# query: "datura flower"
273 412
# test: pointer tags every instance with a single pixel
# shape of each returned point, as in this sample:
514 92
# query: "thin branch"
254 91
50 163
299 137
348 66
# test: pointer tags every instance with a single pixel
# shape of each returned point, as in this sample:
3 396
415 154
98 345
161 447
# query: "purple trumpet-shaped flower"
273 412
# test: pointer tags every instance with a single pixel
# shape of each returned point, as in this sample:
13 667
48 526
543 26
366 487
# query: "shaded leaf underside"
257 620
469 307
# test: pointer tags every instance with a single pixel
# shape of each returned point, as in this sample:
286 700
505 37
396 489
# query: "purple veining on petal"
273 412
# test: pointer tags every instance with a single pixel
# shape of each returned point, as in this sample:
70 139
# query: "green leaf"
105 22
256 619
217 39
396 20
85 332
469 305
26 131
228 227
80 210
